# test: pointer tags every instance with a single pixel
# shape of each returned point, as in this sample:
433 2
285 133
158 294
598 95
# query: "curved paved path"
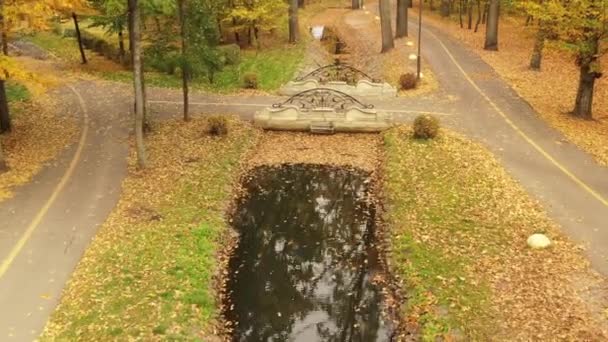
47 225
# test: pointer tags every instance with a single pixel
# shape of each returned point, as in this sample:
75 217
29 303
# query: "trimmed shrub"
426 127
250 80
408 81
217 125
231 54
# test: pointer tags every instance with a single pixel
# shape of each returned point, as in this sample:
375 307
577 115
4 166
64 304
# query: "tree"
294 29
444 8
5 119
356 4
3 165
3 34
113 18
181 8
578 27
491 42
37 14
79 38
401 28
255 15
137 82
385 23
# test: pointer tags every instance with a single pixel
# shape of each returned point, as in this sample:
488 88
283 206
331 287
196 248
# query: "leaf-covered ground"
38 134
149 274
459 226
359 30
559 78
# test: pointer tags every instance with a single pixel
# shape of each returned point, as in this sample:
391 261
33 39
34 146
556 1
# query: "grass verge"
149 272
17 92
459 228
274 66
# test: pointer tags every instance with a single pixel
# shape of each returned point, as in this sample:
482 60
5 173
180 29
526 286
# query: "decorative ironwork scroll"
338 72
323 98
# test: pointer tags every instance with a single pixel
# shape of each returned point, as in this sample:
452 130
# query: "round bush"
217 125
426 127
250 80
231 54
408 81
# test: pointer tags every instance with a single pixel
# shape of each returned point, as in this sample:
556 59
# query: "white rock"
413 57
538 241
409 43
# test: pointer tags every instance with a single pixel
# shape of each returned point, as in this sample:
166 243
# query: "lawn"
150 271
17 92
274 66
458 227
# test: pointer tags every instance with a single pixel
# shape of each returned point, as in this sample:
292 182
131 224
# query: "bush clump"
426 127
231 54
408 81
217 125
250 80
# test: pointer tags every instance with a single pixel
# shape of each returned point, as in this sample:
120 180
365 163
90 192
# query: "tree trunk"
583 107
3 165
121 46
584 97
539 45
301 3
492 26
181 8
3 34
401 29
138 84
469 14
79 38
444 9
5 118
294 29
478 16
460 4
484 17
356 4
385 24
431 5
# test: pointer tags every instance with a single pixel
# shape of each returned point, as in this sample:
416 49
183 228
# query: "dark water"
304 266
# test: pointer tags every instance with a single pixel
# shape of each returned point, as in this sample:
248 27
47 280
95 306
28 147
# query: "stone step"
322 127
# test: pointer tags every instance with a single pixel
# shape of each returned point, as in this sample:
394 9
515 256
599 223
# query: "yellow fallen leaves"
559 77
151 273
352 150
40 131
456 214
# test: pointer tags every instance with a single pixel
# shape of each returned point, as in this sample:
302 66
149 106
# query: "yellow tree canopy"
31 15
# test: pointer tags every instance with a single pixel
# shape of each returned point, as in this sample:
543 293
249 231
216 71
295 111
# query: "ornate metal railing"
323 98
338 72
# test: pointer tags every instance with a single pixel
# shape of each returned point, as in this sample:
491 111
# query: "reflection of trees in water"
301 262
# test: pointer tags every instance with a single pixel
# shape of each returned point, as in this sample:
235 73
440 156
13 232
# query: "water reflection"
304 267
